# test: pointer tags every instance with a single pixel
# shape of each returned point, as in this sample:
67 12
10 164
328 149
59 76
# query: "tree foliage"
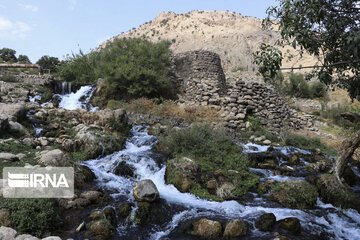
328 29
23 59
8 55
269 59
131 68
47 62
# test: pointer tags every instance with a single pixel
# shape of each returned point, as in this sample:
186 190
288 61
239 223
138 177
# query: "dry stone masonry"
200 80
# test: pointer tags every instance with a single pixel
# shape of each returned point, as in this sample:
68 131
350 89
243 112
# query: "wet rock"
56 99
146 191
110 215
83 176
266 222
225 191
92 196
291 224
287 170
124 169
340 195
5 218
207 229
96 215
9 157
235 228
143 213
124 210
264 187
294 194
54 157
100 230
179 171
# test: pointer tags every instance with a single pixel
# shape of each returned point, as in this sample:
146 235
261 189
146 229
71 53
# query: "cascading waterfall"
138 153
79 100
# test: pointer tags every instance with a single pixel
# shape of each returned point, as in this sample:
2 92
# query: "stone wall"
200 80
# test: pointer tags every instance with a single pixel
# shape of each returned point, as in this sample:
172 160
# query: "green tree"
47 62
330 30
23 59
8 55
269 59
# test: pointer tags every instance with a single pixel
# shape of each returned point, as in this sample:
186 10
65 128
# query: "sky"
60 27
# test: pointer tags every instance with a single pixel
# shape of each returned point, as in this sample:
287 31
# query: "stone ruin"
200 80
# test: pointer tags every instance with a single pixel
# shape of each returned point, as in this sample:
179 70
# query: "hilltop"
233 36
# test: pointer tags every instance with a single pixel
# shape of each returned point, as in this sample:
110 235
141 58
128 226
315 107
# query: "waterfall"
78 100
65 88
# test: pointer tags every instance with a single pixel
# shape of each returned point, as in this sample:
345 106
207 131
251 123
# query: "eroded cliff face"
233 36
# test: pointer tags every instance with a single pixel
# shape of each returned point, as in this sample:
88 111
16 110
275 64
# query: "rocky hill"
233 36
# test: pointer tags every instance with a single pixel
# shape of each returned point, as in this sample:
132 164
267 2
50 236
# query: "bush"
306 143
318 89
37 217
8 78
131 68
299 87
208 146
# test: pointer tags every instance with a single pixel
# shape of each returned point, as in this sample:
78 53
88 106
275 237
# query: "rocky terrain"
233 36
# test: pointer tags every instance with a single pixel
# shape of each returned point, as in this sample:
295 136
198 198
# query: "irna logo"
37 180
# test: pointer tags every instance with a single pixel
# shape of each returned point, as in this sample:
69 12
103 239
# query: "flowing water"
78 100
324 220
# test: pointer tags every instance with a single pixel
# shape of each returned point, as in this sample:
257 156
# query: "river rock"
54 157
100 230
92 196
15 111
9 157
266 222
17 128
52 238
124 210
146 191
26 237
124 169
5 217
179 171
7 233
110 215
207 229
291 224
235 228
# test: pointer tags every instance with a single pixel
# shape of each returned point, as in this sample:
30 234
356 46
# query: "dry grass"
167 108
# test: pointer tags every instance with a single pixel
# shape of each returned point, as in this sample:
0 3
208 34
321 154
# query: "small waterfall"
65 88
79 100
138 153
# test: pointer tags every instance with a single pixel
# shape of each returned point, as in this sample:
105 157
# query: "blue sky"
59 27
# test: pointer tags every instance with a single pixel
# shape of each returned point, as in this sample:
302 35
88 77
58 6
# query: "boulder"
179 171
124 169
124 210
295 194
54 157
92 196
291 224
7 233
9 157
110 215
207 229
17 128
266 222
235 228
5 218
4 123
146 191
15 111
52 238
26 237
100 230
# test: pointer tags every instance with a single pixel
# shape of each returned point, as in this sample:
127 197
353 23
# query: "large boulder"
100 230
17 129
124 169
7 233
15 111
291 224
146 191
54 157
207 229
295 194
8 157
235 228
180 171
266 222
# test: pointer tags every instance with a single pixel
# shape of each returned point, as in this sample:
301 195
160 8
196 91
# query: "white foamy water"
138 154
77 100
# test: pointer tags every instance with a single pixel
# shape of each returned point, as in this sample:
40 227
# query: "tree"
269 59
47 62
8 55
23 59
330 30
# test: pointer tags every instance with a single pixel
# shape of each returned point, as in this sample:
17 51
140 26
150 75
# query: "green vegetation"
8 78
333 115
8 55
294 194
38 217
306 143
299 87
15 148
47 62
131 68
255 123
212 151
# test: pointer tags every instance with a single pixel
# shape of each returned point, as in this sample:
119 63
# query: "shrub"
318 89
306 143
297 86
255 123
8 78
38 217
